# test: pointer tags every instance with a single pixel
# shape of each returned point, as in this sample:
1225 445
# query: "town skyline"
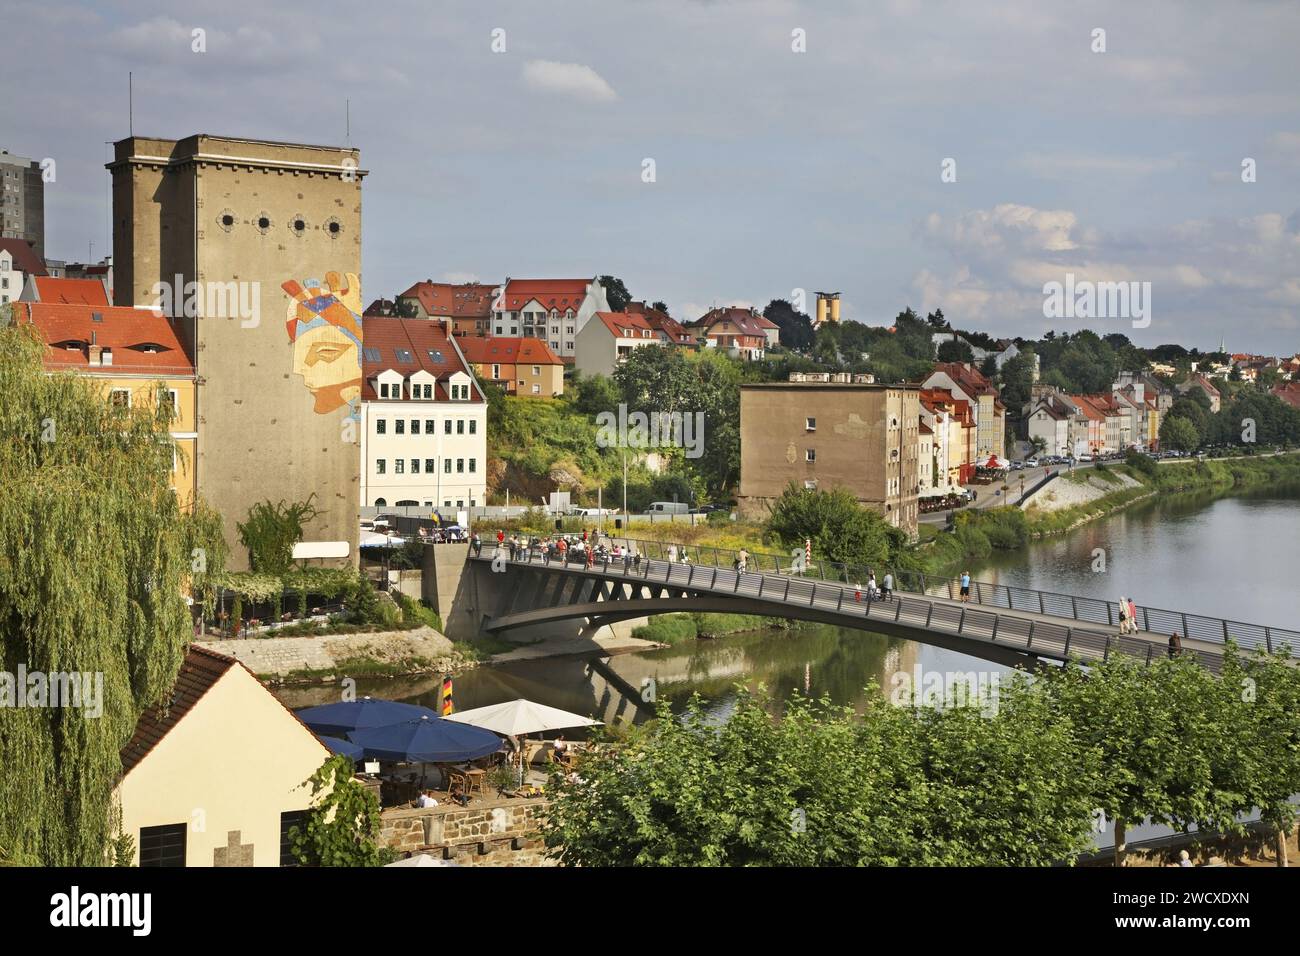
1134 174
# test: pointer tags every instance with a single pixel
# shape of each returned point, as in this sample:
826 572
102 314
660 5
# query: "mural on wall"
324 325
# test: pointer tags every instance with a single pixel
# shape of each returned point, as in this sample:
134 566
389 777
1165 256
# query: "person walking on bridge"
888 593
1123 615
1175 645
1132 617
965 587
742 556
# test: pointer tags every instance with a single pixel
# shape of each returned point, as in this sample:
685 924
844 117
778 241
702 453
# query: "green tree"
272 530
615 293
1178 434
955 350
1269 688
840 529
96 556
660 306
343 825
796 327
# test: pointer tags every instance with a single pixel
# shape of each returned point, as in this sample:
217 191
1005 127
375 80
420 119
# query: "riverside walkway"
1014 626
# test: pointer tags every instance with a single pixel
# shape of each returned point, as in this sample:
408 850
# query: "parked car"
668 508
1032 463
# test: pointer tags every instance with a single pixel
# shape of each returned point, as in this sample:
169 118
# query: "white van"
668 508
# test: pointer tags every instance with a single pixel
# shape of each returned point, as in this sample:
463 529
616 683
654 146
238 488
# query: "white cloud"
568 79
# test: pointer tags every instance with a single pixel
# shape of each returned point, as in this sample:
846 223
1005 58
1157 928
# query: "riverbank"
670 629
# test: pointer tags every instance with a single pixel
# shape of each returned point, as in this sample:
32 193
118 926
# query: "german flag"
448 704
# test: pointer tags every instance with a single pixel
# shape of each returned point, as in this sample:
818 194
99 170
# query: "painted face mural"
324 325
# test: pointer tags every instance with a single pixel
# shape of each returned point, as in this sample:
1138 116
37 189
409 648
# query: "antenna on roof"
347 122
130 103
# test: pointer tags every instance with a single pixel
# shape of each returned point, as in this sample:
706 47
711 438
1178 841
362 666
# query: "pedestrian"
478 545
584 535
888 593
743 555
857 593
965 587
1132 617
672 554
591 557
1123 615
501 537
1184 859
872 591
636 560
1175 645
686 558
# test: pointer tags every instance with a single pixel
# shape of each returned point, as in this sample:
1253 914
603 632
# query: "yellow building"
216 777
134 356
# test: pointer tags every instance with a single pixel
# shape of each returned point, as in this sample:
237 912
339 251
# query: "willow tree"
96 556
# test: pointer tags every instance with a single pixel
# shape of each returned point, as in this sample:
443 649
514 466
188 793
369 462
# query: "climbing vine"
96 557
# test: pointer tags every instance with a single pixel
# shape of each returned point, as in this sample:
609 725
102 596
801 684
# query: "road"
1010 487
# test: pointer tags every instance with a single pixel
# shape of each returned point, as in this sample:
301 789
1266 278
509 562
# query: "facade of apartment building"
953 421
966 382
22 201
424 435
520 366
127 353
1050 421
609 338
268 234
553 311
837 433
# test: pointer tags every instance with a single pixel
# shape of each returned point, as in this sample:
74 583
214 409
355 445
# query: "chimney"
94 351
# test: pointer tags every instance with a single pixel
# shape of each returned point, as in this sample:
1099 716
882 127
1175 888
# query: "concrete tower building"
22 201
828 307
255 248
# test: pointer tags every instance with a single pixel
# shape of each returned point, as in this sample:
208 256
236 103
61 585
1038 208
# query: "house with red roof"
953 422
17 261
466 305
609 338
742 332
669 330
423 418
67 291
553 311
135 358
1197 380
1289 392
520 366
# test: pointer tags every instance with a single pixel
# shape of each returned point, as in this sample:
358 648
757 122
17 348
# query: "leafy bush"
668 629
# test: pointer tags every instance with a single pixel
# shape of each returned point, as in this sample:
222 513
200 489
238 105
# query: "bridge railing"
1045 638
1249 637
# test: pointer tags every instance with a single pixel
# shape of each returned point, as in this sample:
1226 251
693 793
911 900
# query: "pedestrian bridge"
1012 626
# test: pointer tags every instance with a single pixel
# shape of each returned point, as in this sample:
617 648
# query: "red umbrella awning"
993 462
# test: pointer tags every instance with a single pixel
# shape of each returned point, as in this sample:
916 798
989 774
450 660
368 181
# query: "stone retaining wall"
501 834
280 656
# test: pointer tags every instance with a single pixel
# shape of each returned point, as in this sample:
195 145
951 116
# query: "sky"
793 146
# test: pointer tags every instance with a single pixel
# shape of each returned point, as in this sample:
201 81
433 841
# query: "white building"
605 342
1050 421
423 418
17 261
553 310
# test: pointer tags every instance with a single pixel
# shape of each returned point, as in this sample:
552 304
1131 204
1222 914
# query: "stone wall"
501 833
280 656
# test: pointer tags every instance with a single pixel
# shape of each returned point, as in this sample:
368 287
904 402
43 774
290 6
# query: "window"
447 503
496 371
810 424
537 389
460 426
121 398
163 846
473 426
415 426
415 466
404 356
399 426
428 426
460 465
446 468
537 370
383 389
380 502
810 454
472 466
428 469
380 466
399 466
811 484
435 355
428 391
381 426
446 426
169 399
288 820
460 503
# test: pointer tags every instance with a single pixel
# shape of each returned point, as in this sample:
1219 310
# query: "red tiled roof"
1289 393
25 258
420 342
558 294
969 379
627 325
662 322
71 291
482 350
745 320
121 329
380 307
469 300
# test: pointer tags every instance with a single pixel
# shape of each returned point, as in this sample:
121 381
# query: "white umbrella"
422 860
518 717
378 540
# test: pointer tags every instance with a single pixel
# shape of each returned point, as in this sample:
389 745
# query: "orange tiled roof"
627 325
142 341
469 300
558 294
406 346
482 350
71 291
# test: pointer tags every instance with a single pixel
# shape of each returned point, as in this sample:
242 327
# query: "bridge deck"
981 627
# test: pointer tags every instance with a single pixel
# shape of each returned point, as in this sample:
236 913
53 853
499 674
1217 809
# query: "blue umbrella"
338 719
345 747
428 740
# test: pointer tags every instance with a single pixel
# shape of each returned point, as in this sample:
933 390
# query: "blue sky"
775 170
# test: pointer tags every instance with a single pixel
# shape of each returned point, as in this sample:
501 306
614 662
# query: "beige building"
215 778
839 433
255 249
